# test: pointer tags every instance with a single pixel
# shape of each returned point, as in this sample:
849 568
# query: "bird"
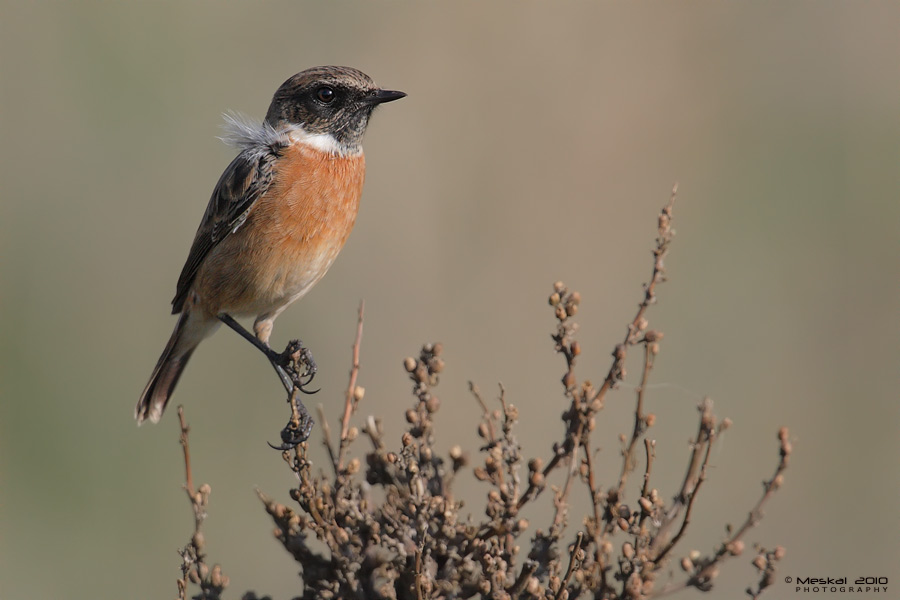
277 218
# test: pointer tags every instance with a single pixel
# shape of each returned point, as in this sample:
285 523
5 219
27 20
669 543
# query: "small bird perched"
277 218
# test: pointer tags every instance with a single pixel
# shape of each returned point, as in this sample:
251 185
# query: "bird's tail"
189 332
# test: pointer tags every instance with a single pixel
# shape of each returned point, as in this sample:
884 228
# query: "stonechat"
277 218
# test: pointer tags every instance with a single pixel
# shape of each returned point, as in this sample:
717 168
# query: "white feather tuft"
243 132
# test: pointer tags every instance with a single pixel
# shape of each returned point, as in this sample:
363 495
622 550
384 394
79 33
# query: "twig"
662 248
640 420
326 440
528 569
350 399
188 476
571 568
690 505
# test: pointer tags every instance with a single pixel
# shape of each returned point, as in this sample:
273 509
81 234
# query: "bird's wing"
244 181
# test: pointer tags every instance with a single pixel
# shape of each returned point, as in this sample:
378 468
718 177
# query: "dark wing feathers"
240 186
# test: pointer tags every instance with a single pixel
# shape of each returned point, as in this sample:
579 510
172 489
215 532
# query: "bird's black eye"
325 94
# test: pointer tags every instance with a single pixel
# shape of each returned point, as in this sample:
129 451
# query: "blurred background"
538 143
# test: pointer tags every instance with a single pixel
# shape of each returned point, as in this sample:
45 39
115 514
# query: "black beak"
382 96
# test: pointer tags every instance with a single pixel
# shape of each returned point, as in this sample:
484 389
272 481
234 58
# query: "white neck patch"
323 142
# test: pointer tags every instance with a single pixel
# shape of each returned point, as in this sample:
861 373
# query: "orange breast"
291 236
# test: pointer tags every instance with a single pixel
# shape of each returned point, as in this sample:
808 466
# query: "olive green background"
538 142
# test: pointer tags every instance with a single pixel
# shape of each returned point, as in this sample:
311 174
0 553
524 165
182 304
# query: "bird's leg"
288 366
275 358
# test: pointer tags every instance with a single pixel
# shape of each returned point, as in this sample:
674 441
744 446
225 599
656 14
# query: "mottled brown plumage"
278 217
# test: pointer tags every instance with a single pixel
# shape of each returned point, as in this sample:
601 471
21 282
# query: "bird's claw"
295 432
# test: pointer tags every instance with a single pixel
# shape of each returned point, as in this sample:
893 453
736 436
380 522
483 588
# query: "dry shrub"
391 527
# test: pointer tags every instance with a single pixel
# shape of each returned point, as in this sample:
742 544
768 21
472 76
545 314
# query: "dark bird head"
332 106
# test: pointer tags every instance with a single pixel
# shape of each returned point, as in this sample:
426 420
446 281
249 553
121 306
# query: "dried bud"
412 417
786 448
686 565
522 525
650 419
535 464
437 349
480 474
425 453
554 299
560 312
491 464
359 392
575 298
779 552
215 577
409 364
407 439
783 434
620 352
760 562
664 221
194 576
353 466
725 424
559 287
653 335
536 479
735 548
433 404
483 430
628 550
568 380
198 540
456 452
571 309
437 365
695 555
352 433
575 348
646 505
622 523
633 586
642 324
341 535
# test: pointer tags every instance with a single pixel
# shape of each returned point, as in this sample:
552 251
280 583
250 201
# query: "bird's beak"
382 96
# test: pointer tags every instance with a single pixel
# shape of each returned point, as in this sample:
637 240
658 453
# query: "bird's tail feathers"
168 370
